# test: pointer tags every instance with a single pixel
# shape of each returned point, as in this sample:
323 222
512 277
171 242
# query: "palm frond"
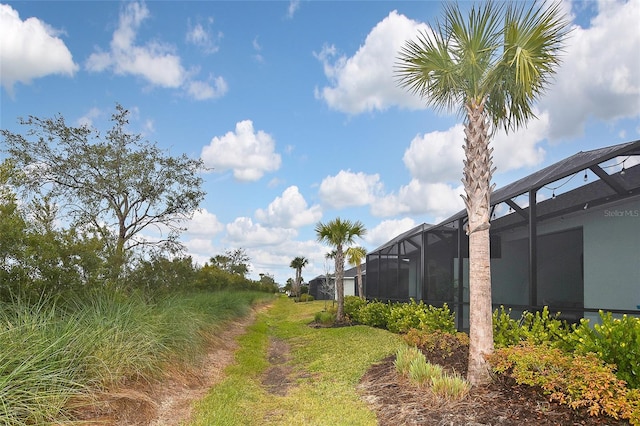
533 42
426 68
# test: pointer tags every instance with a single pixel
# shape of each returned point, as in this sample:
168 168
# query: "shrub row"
615 341
400 317
579 381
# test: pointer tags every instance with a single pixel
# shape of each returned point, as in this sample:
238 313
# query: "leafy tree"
233 261
268 283
298 263
36 258
491 66
355 255
115 183
160 275
289 285
338 233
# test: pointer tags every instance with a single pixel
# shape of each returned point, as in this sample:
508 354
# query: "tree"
491 66
338 233
289 285
298 263
235 262
115 184
355 255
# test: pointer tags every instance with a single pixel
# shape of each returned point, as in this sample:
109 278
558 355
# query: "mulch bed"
503 402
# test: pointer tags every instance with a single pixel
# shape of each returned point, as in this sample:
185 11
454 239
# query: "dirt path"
175 401
170 402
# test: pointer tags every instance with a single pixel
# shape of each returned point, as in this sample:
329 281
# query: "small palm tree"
338 233
355 255
491 66
298 263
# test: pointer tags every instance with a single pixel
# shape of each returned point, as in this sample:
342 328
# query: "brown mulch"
398 402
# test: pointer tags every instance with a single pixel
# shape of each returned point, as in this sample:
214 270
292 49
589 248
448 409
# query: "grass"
411 362
326 362
53 354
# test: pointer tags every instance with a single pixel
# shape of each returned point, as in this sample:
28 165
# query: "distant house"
322 289
567 237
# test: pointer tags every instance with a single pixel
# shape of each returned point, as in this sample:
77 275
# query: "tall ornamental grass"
54 353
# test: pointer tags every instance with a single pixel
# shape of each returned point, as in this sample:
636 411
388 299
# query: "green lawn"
326 365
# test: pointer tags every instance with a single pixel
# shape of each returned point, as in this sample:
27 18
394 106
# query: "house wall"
611 247
349 286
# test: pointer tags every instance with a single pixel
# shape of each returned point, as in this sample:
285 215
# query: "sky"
295 109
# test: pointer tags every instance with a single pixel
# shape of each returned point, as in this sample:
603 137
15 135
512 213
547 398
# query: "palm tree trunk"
340 283
360 283
477 185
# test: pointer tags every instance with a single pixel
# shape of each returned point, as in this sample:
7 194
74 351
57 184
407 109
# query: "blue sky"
295 107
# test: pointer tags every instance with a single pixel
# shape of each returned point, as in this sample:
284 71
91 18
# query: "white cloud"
294 5
216 87
200 249
204 223
365 81
248 153
242 232
154 61
600 72
436 156
203 37
258 48
87 119
289 211
348 189
520 148
439 200
387 230
30 49
599 76
276 259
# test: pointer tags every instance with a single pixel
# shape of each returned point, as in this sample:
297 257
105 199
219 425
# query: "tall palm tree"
355 255
491 66
298 263
338 233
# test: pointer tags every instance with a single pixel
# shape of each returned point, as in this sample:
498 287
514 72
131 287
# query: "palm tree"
492 67
338 233
355 255
298 263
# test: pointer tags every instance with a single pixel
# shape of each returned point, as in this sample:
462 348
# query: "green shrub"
375 314
404 316
325 317
506 330
422 372
405 356
544 327
615 341
539 327
451 387
579 381
306 297
352 306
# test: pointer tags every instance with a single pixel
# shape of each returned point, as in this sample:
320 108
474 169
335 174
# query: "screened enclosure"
570 244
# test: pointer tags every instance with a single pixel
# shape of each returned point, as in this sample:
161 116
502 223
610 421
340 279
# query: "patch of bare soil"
503 402
169 402
279 376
